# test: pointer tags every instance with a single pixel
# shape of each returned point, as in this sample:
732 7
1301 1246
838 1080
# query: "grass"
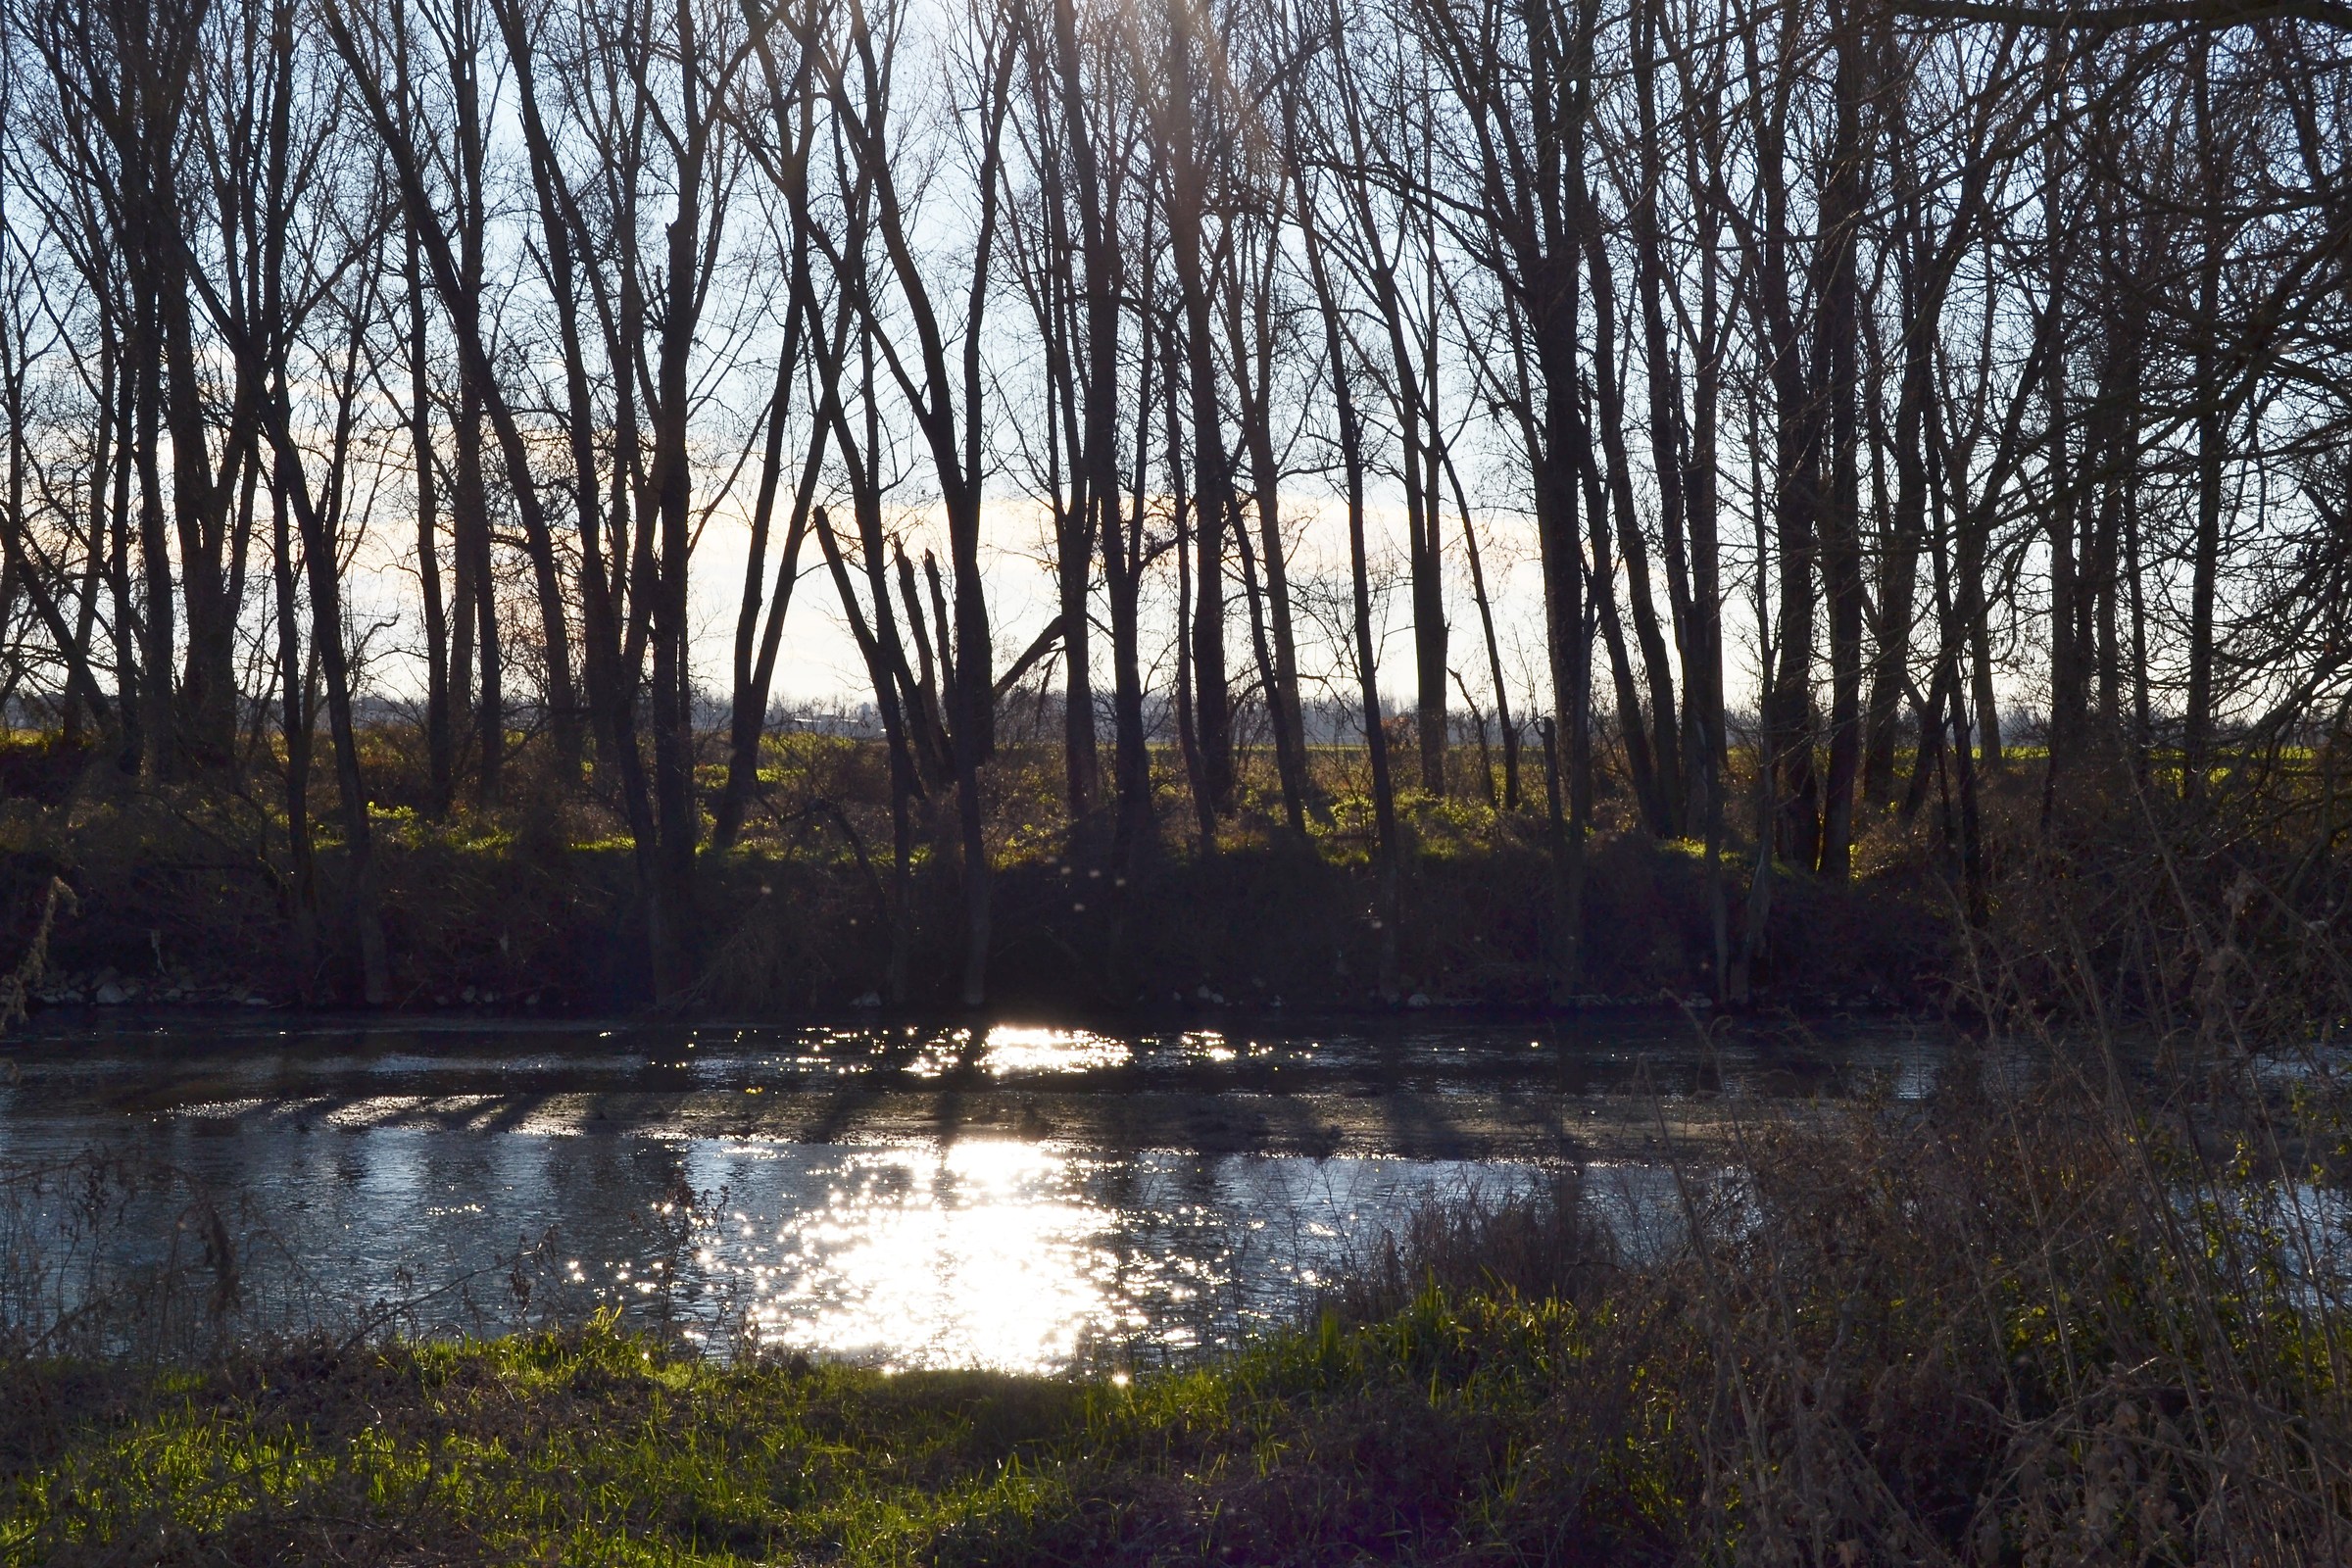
1423 1433
580 1447
592 1447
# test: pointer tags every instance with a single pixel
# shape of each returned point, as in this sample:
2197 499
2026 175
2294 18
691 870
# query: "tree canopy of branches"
1967 383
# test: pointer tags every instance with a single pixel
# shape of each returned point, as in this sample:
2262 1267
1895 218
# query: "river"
1010 1196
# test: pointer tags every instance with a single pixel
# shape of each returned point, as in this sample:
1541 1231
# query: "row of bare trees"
1908 365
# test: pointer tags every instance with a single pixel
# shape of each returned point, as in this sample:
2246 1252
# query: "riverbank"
2046 1329
2119 898
181 897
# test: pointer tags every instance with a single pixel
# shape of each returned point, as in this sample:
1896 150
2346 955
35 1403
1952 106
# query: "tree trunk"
1661 749
327 639
440 767
2196 734
1213 478
1841 519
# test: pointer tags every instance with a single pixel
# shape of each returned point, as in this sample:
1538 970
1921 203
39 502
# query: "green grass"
592 1447
597 1447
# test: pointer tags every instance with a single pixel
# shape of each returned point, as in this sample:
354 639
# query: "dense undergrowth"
186 895
2116 883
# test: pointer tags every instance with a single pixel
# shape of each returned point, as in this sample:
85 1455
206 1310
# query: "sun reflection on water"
1017 1256
1009 1050
982 1253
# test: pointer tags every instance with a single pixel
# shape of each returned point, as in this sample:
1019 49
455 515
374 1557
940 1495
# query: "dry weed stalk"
16 984
2095 1314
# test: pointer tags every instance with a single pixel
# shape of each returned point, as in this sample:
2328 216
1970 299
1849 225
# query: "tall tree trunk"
1756 926
1213 478
158 726
1703 690
1560 80
1662 799
128 630
470 503
302 893
1376 745
102 450
208 731
1493 645
1841 519
1073 573
477 594
1095 463
327 639
1189 520
1797 503
1898 560
1058 312
2069 666
1122 580
440 767
1632 730
1663 375
1250 337
678 817
2196 738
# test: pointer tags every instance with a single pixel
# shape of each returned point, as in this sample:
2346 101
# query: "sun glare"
1011 1050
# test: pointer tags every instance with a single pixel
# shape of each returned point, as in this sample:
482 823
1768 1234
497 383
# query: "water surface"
1022 1197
